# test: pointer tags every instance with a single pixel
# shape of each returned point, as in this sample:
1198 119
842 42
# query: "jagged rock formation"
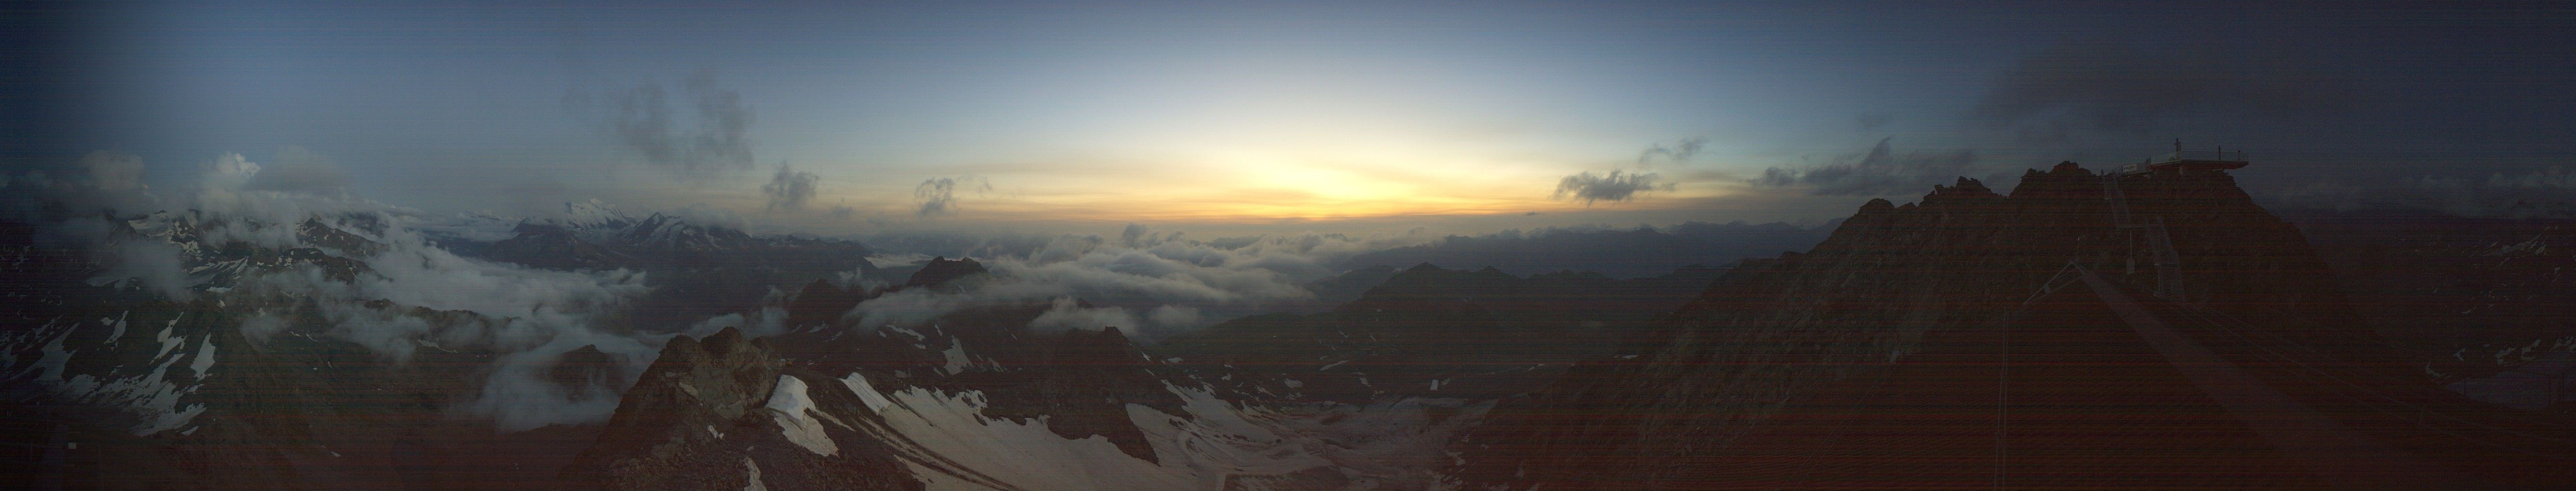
726 413
941 271
1878 361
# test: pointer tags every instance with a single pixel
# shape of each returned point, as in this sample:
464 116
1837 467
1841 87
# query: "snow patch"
956 353
751 472
792 406
119 333
150 396
205 358
949 445
858 384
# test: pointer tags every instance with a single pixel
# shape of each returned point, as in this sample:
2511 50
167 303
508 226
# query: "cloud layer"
523 318
1151 284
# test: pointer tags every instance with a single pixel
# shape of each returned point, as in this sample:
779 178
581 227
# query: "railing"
2057 281
2213 155
2160 244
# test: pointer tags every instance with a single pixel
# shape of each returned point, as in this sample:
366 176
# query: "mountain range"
2158 327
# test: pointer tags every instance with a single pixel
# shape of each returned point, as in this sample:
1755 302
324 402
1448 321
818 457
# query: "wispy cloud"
1614 187
1680 151
938 195
644 120
789 189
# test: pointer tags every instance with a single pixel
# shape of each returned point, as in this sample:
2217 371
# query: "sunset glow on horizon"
832 119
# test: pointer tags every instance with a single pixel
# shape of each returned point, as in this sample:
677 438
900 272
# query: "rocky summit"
2158 327
726 412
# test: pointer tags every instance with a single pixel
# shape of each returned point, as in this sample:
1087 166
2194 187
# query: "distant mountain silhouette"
698 270
1483 333
1618 253
942 271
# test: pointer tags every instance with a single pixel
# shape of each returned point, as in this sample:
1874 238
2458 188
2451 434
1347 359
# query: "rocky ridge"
1774 339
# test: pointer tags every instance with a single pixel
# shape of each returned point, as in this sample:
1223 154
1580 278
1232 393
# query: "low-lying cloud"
524 318
1150 284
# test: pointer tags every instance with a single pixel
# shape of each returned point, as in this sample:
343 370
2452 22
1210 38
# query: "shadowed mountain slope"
1950 345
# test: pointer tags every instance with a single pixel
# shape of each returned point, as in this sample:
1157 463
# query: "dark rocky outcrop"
1872 361
941 271
1082 381
702 417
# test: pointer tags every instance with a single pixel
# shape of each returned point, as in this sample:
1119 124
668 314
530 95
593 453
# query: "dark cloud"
789 189
1614 187
1680 151
2118 86
1880 171
301 170
938 195
643 120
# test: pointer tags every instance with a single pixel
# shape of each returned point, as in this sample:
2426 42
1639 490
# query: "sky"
1239 118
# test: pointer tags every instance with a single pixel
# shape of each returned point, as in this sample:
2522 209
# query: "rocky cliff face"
1775 338
2482 301
726 413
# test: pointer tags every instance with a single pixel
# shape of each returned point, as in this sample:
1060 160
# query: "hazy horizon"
1229 120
